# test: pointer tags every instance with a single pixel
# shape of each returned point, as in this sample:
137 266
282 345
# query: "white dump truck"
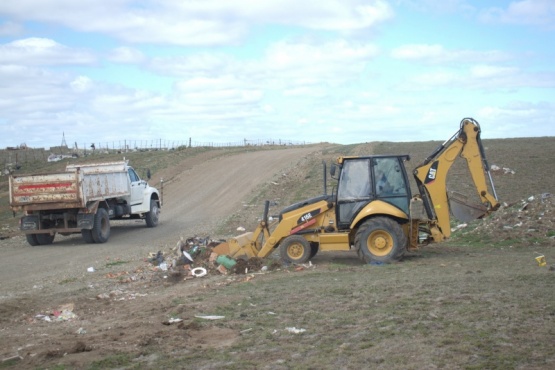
83 199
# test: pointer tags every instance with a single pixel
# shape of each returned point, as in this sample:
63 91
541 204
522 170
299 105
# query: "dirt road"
197 196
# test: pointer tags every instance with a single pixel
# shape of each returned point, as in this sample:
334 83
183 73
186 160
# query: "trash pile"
529 222
196 257
62 313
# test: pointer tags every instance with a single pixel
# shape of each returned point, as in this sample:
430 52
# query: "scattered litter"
156 259
172 320
90 269
198 272
245 331
209 317
294 330
63 313
163 266
228 262
241 228
541 260
531 221
81 331
188 256
458 227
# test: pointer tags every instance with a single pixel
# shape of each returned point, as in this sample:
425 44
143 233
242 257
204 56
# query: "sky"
221 71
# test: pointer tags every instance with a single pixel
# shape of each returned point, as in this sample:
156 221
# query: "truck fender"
378 207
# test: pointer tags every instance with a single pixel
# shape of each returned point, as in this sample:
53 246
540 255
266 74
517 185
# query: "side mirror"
148 174
332 170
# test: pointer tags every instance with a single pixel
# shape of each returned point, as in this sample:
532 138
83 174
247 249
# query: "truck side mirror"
148 174
332 170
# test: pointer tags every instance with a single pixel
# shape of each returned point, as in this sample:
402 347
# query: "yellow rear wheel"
380 239
380 243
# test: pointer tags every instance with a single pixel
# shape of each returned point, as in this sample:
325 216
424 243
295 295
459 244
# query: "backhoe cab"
372 209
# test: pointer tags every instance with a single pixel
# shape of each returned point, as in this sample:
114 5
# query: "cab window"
133 175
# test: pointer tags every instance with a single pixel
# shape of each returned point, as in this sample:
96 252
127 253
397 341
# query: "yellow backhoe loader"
372 209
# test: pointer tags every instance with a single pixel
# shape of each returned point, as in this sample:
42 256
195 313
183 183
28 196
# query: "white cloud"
489 71
209 22
81 84
443 6
9 28
42 51
538 117
438 54
526 12
481 77
126 55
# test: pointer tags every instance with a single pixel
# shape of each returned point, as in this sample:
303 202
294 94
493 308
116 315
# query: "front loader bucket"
462 210
239 247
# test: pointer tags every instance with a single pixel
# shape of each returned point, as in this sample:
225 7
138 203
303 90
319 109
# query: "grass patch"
115 361
116 263
68 281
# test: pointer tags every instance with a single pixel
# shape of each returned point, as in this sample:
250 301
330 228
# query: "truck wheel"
87 236
101 228
32 240
380 239
152 217
44 239
295 249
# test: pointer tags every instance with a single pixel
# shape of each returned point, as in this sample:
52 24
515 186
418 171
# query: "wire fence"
14 156
161 144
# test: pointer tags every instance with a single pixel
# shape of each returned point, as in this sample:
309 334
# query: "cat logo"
432 173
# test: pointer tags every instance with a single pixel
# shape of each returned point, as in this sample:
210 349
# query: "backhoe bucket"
239 247
464 211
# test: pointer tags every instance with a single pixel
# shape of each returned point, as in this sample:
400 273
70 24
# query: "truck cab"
363 180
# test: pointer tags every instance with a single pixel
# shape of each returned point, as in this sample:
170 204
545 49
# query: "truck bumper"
31 224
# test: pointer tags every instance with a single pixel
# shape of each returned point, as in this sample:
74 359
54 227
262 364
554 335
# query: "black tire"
101 228
313 249
87 236
32 240
295 249
380 239
45 239
153 215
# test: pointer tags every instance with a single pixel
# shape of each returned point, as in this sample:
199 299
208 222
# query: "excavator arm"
431 178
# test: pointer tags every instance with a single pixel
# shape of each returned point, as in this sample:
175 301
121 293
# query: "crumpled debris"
62 313
294 330
172 320
210 317
506 170
530 221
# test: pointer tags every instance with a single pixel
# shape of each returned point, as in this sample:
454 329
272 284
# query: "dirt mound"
527 222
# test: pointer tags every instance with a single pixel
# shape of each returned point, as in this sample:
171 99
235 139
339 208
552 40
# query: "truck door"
354 190
137 187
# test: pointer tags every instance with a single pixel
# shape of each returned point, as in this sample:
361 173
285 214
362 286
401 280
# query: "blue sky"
343 71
